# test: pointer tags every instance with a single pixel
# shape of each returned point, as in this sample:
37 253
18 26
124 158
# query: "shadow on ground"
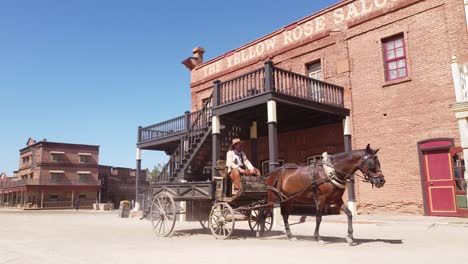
240 234
357 241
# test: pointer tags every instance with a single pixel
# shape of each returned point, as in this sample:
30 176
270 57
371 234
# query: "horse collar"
330 171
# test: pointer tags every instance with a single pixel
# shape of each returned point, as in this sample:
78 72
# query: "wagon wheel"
221 221
163 214
257 219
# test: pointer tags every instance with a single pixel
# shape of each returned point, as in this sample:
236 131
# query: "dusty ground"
101 237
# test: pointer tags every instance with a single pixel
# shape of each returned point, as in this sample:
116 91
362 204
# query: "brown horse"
322 183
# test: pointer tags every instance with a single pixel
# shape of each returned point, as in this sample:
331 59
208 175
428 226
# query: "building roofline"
318 13
57 143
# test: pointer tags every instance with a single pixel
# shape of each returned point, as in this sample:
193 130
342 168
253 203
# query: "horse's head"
370 167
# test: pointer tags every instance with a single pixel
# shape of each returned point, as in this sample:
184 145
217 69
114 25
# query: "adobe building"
392 73
53 175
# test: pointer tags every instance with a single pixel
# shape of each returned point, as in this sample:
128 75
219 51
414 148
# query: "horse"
322 183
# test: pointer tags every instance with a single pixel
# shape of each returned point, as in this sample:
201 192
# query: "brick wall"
390 115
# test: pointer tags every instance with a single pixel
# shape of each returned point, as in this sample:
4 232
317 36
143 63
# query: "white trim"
271 109
138 154
215 124
352 206
57 152
56 171
85 154
346 126
83 172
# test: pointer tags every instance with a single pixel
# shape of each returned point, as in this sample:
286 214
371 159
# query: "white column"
456 76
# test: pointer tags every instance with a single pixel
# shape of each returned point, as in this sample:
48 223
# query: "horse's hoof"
350 241
292 239
321 242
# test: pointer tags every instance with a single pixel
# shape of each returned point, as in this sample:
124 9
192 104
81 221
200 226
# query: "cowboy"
238 164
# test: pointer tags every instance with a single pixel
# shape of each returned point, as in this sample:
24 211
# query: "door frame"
421 165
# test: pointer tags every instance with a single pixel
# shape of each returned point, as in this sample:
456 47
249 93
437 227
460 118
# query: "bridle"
369 164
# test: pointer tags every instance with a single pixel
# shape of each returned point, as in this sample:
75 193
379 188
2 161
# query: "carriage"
212 203
261 106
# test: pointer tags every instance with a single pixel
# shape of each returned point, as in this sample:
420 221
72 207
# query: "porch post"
187 120
42 199
253 144
72 198
137 177
348 147
272 136
269 80
215 130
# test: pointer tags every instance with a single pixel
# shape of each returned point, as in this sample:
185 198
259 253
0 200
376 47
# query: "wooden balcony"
245 96
25 182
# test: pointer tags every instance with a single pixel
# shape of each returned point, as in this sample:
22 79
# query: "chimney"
44 140
198 55
197 59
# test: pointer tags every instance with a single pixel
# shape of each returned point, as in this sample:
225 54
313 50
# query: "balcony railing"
195 121
48 182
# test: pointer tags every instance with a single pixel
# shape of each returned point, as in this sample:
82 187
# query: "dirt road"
101 237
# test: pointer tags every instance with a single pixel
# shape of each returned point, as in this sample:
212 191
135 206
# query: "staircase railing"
197 121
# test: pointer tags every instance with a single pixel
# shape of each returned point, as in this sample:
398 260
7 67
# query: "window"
31 175
84 176
55 156
265 168
207 101
53 196
395 58
314 70
459 171
83 159
82 196
56 176
26 160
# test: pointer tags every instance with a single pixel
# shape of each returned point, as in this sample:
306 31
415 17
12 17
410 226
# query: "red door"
438 179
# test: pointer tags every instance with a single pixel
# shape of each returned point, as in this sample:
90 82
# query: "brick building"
53 175
401 71
118 184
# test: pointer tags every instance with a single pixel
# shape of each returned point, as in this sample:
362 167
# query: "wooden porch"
300 102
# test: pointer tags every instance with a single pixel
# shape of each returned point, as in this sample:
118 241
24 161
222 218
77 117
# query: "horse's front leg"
318 221
349 214
285 213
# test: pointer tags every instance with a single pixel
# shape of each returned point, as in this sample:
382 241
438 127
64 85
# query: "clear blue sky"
91 72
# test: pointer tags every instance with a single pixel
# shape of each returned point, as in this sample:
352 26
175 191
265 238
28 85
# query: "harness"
330 171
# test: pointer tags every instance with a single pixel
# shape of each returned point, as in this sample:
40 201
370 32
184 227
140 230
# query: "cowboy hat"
235 141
